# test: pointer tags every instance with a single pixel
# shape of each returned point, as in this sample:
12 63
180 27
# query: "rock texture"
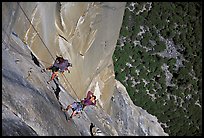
123 111
86 34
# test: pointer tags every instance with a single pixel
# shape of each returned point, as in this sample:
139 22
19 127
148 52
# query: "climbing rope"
64 77
69 84
34 29
44 43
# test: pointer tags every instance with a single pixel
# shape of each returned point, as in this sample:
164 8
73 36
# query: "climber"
60 65
90 99
77 108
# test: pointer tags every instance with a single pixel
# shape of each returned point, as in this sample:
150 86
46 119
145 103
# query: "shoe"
64 110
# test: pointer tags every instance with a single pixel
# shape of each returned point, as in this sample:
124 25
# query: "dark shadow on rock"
57 90
35 59
91 127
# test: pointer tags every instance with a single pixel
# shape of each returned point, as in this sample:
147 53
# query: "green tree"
136 29
161 46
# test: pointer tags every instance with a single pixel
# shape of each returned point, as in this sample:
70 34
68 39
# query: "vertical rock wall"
85 33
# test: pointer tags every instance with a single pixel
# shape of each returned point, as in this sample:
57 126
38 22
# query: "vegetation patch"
158 59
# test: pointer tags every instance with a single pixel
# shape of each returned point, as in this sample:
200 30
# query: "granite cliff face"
84 33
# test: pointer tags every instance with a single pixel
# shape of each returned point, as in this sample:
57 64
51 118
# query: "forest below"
158 59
